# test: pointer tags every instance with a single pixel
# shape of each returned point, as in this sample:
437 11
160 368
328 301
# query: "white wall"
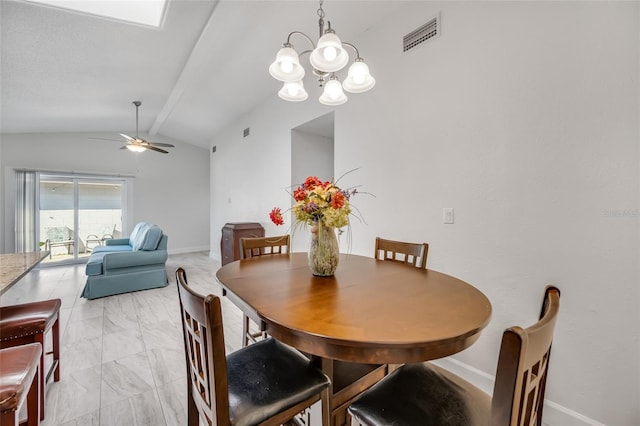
524 117
171 190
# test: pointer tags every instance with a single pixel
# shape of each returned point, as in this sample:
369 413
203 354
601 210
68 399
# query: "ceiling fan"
137 144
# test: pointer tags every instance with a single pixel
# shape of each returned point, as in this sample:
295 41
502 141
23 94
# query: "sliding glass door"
78 214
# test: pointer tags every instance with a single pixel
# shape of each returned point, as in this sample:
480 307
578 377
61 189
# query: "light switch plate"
447 215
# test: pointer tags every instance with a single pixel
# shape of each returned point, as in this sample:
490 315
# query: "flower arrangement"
325 207
318 202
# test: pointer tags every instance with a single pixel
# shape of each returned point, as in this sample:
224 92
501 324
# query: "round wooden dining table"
359 323
370 311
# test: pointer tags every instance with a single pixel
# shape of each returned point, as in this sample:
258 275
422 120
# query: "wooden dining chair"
267 383
20 384
253 247
421 394
398 251
261 246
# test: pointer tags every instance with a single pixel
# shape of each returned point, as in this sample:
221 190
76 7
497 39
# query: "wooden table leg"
348 379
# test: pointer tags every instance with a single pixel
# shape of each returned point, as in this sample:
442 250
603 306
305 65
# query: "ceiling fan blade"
168 145
129 138
153 148
103 139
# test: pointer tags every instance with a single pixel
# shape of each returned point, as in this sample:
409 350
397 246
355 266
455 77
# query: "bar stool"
20 382
29 323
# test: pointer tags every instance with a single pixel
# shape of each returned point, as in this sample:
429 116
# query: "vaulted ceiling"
64 71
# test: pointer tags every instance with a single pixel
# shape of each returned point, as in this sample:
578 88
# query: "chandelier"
327 57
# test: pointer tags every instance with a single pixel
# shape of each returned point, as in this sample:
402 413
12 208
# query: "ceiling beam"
183 79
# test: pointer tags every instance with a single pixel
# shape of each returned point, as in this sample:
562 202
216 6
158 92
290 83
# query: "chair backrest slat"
521 376
260 246
205 352
398 251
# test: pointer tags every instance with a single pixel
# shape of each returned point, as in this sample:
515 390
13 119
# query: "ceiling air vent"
426 32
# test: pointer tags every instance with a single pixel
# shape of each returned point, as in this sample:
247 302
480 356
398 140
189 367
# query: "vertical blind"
26 199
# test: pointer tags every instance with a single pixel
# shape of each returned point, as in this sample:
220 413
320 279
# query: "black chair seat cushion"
268 377
425 395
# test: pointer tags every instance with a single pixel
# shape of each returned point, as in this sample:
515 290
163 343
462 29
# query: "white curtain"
26 211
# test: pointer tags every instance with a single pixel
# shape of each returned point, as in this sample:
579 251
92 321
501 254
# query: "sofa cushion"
134 234
138 238
151 238
111 249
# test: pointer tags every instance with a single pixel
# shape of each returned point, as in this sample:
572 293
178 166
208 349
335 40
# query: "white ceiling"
68 72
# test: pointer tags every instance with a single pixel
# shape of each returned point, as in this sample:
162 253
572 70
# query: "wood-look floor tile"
85 329
173 398
139 410
163 334
91 419
121 344
81 354
167 364
124 378
120 322
75 396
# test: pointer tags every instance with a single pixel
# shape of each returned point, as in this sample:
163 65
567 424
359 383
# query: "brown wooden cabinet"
231 234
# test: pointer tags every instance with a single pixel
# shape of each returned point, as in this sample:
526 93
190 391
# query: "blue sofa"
128 264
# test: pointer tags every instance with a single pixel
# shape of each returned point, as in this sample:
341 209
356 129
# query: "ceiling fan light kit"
138 144
135 148
326 58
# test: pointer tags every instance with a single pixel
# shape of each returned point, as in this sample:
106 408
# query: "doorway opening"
312 154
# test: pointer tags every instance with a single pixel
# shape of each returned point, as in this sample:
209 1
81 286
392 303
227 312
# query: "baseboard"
215 256
187 250
553 414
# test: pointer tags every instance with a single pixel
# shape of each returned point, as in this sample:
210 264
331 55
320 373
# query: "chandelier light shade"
329 56
293 91
358 79
326 58
287 66
333 94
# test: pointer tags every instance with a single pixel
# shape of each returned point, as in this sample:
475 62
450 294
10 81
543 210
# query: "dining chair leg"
245 331
392 367
39 338
55 334
33 400
9 418
325 398
193 416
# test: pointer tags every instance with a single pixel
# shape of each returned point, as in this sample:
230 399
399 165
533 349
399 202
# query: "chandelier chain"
320 10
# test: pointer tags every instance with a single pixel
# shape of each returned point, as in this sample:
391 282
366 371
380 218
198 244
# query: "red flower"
337 200
311 182
299 194
276 216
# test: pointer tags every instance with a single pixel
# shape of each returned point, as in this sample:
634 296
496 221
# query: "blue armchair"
128 264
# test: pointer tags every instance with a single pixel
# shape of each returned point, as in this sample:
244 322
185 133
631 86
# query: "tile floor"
122 359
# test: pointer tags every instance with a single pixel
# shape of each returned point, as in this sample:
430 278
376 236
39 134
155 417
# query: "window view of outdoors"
99 217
